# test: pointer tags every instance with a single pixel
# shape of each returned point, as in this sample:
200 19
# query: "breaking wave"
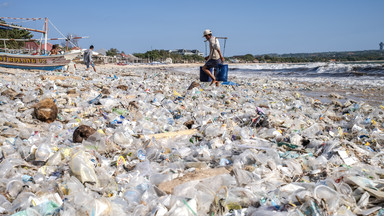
311 70
371 74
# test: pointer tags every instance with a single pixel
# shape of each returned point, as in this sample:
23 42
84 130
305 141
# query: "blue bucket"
204 77
221 74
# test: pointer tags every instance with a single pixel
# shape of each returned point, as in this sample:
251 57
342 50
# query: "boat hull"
36 62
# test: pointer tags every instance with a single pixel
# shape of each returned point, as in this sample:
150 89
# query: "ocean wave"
352 73
313 69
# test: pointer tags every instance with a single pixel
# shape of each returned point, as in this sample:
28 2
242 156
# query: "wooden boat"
39 62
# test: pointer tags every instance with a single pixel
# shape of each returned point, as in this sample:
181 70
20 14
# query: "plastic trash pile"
137 142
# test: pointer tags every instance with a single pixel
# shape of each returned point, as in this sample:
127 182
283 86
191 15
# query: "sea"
352 73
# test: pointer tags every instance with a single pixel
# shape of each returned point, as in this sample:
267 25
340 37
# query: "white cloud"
4 4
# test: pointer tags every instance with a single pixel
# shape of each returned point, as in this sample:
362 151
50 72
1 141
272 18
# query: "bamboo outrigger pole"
45 32
45 36
20 27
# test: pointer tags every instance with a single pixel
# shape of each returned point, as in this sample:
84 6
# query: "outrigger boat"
39 62
24 61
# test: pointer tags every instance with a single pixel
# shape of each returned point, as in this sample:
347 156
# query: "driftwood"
8 72
170 134
60 77
130 74
168 186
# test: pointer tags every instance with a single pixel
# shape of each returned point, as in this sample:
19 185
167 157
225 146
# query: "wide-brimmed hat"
207 32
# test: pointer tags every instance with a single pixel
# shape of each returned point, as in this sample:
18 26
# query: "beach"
265 143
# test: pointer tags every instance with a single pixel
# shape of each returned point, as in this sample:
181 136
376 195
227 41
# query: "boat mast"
45 36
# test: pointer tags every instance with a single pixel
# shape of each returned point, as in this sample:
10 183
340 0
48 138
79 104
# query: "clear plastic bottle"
141 154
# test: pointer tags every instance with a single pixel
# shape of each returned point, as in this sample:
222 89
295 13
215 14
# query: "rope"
218 207
217 38
33 19
41 39
61 33
206 52
225 42
23 21
193 212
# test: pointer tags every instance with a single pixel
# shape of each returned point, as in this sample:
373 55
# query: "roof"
31 45
130 56
49 46
34 45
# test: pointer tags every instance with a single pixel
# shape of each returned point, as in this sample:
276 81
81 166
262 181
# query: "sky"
252 26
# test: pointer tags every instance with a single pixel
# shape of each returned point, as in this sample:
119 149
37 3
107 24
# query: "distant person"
54 50
215 57
88 58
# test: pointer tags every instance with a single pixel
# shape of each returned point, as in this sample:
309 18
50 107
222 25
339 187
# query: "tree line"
162 55
13 33
159 55
368 55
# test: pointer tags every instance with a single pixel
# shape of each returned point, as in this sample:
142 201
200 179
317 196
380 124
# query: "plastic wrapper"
82 167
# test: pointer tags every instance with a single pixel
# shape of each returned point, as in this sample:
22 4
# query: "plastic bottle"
43 152
141 155
82 167
224 162
312 130
96 100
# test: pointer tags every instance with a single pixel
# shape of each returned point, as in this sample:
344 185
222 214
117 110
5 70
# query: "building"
128 58
120 59
186 52
33 45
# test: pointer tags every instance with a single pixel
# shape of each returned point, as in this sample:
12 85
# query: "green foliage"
14 34
248 58
368 55
112 52
161 55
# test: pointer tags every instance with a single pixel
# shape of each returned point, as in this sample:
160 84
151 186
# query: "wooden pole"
19 27
46 35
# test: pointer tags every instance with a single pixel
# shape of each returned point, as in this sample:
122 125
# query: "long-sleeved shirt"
214 46
88 56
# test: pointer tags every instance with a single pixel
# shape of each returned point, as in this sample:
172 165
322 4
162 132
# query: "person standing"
215 57
88 58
